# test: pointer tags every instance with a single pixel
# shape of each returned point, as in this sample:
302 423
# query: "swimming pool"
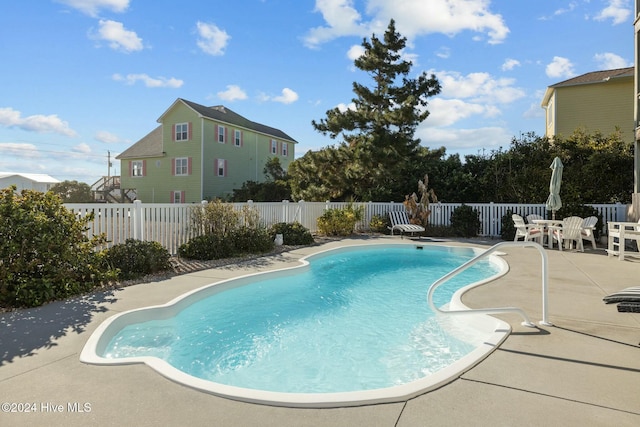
350 326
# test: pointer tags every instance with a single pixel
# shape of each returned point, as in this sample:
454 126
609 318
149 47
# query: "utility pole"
108 165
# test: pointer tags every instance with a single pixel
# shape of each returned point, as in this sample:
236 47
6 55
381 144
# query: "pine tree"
379 132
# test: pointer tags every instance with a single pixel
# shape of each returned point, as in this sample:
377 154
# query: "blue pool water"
352 320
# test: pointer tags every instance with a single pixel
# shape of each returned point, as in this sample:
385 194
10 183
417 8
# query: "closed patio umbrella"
554 202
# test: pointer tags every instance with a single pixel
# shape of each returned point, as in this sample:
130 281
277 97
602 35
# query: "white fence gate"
170 224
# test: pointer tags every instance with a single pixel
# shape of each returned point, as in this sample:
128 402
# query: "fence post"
138 220
299 212
492 220
285 211
621 212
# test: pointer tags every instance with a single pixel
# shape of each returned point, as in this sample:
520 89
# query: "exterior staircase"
107 190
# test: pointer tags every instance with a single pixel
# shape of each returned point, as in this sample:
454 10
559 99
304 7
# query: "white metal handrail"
527 322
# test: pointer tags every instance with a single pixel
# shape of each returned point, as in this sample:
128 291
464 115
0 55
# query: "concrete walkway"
583 371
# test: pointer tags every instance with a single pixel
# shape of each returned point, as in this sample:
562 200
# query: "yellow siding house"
597 101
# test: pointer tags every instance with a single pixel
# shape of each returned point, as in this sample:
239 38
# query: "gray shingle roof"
596 77
223 114
149 146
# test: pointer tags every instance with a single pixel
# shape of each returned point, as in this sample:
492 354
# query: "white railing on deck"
169 224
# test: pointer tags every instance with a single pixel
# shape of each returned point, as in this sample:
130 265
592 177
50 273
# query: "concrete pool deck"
584 370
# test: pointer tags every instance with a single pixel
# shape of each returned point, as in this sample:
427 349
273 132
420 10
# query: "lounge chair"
570 231
628 300
527 231
400 221
588 225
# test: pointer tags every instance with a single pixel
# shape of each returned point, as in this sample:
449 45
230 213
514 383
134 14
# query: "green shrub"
380 223
292 233
507 229
44 252
136 258
465 221
240 241
216 217
339 222
247 240
206 247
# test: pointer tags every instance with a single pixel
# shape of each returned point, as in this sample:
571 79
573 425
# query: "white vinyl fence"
170 224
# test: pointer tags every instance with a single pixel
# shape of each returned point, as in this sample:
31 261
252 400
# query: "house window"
221 167
182 131
274 146
182 166
137 168
285 149
222 132
177 196
237 138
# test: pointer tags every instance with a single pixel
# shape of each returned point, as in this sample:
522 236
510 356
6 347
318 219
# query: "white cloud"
212 40
107 137
288 96
342 20
233 93
36 123
446 112
413 18
82 148
560 68
22 150
118 37
355 52
489 138
609 61
443 52
131 79
344 107
477 87
510 64
92 7
617 10
561 11
535 111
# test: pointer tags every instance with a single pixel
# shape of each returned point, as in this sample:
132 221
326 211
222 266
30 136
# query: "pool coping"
495 330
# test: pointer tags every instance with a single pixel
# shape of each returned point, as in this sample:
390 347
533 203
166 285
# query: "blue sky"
81 78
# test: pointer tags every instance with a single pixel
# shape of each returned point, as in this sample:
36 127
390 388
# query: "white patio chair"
569 232
588 225
527 231
542 227
531 217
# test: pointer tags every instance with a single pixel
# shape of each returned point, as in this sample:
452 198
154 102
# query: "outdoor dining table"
550 225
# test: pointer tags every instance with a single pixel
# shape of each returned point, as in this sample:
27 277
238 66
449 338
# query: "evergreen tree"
378 132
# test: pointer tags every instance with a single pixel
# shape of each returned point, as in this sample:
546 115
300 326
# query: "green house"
199 153
597 101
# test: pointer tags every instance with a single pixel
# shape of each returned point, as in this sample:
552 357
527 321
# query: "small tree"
73 192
